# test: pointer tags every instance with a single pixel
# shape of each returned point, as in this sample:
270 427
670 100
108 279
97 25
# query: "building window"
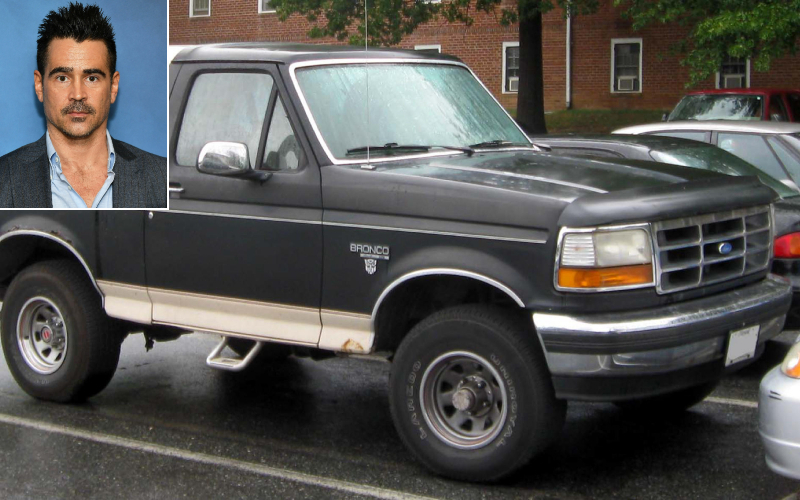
510 67
734 73
436 48
265 7
626 65
199 8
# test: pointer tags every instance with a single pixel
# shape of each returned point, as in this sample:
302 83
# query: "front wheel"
58 342
471 396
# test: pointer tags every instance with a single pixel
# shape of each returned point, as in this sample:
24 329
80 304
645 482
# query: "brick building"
612 66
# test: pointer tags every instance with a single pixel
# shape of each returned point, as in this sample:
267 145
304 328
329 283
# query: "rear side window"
695 136
224 107
794 105
754 150
777 111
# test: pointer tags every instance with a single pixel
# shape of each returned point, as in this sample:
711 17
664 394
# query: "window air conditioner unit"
513 84
733 81
626 82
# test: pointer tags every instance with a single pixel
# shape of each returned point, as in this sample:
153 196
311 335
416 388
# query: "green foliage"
762 30
387 21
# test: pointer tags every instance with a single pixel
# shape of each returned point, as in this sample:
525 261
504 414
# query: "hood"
563 178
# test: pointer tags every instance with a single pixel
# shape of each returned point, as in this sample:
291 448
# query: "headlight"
604 258
791 365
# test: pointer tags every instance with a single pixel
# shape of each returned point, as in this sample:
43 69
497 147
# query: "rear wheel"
57 340
471 396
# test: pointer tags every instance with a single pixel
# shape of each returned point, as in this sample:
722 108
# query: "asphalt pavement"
170 427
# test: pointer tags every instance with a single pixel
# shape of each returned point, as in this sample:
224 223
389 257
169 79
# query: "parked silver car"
773 147
779 415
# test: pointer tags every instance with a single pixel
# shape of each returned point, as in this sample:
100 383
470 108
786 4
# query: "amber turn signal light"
788 246
609 277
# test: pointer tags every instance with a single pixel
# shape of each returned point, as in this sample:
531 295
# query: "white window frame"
746 76
191 10
614 43
273 11
429 47
506 45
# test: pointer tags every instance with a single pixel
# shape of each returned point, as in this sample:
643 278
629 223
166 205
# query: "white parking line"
732 402
264 470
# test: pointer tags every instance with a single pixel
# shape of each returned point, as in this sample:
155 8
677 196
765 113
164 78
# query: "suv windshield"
718 160
718 107
426 105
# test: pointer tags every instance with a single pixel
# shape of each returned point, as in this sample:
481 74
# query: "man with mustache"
77 164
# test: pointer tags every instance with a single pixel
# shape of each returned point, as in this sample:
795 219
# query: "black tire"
671 403
456 351
40 298
270 351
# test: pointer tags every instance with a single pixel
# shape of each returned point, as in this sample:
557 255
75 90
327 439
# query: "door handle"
177 189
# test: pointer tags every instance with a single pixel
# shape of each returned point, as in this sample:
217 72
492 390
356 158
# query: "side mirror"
228 159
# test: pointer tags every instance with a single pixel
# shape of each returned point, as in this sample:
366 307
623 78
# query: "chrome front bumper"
658 341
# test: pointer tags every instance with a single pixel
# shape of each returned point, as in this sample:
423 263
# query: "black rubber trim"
593 343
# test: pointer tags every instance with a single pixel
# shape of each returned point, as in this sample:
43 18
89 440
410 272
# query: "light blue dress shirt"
63 194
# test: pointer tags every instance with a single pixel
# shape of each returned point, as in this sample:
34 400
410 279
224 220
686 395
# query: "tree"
387 21
761 30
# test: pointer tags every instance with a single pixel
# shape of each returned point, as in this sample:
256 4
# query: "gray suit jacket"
140 178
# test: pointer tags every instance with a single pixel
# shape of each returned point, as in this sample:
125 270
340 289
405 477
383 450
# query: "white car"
779 415
772 147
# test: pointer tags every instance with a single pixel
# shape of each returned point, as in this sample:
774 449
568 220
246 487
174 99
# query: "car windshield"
424 105
712 158
718 107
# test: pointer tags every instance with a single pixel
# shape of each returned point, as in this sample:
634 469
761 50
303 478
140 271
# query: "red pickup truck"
739 104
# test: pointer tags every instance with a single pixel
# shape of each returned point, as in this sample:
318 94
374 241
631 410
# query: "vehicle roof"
288 53
741 91
753 126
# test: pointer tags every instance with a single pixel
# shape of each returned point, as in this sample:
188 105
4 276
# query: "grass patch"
596 121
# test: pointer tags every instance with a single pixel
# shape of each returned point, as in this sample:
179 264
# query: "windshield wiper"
500 143
393 146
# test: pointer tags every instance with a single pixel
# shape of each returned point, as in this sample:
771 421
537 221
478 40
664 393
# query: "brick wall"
480 46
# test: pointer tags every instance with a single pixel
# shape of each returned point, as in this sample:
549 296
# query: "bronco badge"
371 255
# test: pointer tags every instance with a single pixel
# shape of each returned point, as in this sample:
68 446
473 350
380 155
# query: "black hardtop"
288 53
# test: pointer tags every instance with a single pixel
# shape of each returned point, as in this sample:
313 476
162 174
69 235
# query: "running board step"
231 363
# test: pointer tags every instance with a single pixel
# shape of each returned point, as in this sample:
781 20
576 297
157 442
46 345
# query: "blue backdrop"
139 115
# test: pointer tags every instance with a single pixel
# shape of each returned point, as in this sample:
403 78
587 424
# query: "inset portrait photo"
85 118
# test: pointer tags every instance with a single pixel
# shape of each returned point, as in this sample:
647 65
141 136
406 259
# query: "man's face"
76 88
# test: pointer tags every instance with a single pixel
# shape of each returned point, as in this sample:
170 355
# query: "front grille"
697 251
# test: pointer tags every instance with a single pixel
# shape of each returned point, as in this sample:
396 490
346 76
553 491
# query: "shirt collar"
55 161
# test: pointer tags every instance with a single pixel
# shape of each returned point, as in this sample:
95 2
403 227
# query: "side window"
754 150
794 103
224 107
790 162
282 151
695 136
777 111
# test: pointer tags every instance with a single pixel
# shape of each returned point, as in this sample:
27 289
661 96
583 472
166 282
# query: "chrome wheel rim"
42 335
463 399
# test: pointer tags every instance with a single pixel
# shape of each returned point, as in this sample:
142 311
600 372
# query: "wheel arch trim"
53 237
441 272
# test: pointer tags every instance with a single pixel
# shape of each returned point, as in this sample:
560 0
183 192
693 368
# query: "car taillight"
788 246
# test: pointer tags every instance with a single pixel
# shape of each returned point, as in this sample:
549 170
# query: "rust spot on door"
352 346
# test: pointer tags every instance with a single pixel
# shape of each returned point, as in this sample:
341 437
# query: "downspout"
569 59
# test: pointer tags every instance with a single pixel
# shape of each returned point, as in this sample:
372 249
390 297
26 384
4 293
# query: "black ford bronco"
382 203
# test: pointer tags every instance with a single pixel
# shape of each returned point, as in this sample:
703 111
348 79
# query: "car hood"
547 175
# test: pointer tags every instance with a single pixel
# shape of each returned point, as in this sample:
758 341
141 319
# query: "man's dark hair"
79 23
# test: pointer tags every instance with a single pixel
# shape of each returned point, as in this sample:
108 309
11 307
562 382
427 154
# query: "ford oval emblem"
725 248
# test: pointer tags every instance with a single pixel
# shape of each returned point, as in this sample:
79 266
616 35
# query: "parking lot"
170 427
